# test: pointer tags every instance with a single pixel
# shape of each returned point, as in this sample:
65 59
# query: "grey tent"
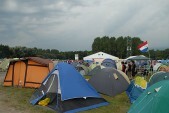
109 81
159 76
109 63
95 70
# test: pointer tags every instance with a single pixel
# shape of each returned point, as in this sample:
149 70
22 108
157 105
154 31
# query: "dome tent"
109 63
109 81
68 91
153 100
159 76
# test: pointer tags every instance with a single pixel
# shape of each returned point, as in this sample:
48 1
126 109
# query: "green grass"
117 104
19 99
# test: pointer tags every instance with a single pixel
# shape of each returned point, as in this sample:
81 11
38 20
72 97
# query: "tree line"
111 45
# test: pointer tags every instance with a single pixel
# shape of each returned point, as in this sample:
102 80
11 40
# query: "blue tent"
134 91
68 91
109 63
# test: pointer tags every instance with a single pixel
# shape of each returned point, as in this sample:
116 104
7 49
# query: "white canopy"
100 55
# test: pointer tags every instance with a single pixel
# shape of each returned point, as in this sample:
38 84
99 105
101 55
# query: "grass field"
19 99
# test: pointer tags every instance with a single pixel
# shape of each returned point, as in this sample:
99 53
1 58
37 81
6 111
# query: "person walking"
128 70
123 67
133 69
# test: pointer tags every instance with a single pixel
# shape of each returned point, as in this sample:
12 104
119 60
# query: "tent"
109 63
99 57
82 69
109 81
163 68
4 64
27 72
139 57
156 66
136 88
159 76
153 100
68 91
92 66
94 70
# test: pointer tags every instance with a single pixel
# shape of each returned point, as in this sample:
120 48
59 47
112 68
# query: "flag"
143 47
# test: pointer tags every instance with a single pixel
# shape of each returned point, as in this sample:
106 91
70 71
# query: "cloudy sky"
71 25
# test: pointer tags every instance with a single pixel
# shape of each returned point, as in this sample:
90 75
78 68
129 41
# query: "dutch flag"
143 47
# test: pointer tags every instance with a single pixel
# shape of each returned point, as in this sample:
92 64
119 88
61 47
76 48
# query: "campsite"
102 84
17 101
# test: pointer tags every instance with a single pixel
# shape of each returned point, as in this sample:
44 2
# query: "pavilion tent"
109 81
67 91
99 57
27 72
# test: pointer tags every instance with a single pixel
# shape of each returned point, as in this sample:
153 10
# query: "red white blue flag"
143 47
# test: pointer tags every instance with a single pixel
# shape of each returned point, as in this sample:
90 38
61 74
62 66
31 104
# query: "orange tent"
27 72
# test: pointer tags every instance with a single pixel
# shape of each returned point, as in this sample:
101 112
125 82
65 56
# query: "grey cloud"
73 24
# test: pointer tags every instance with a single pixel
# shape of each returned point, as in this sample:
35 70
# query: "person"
128 71
133 68
123 67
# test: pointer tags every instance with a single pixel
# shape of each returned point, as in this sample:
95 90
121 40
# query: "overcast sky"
71 25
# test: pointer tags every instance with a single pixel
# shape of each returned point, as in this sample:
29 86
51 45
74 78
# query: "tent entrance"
19 73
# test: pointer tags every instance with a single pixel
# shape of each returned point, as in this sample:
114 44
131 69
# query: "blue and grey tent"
134 91
109 63
68 91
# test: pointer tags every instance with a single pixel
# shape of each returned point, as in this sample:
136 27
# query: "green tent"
92 66
82 69
155 99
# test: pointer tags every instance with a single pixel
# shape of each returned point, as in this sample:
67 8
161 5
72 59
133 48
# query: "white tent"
100 56
139 57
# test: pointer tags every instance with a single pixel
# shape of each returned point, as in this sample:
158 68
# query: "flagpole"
149 61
